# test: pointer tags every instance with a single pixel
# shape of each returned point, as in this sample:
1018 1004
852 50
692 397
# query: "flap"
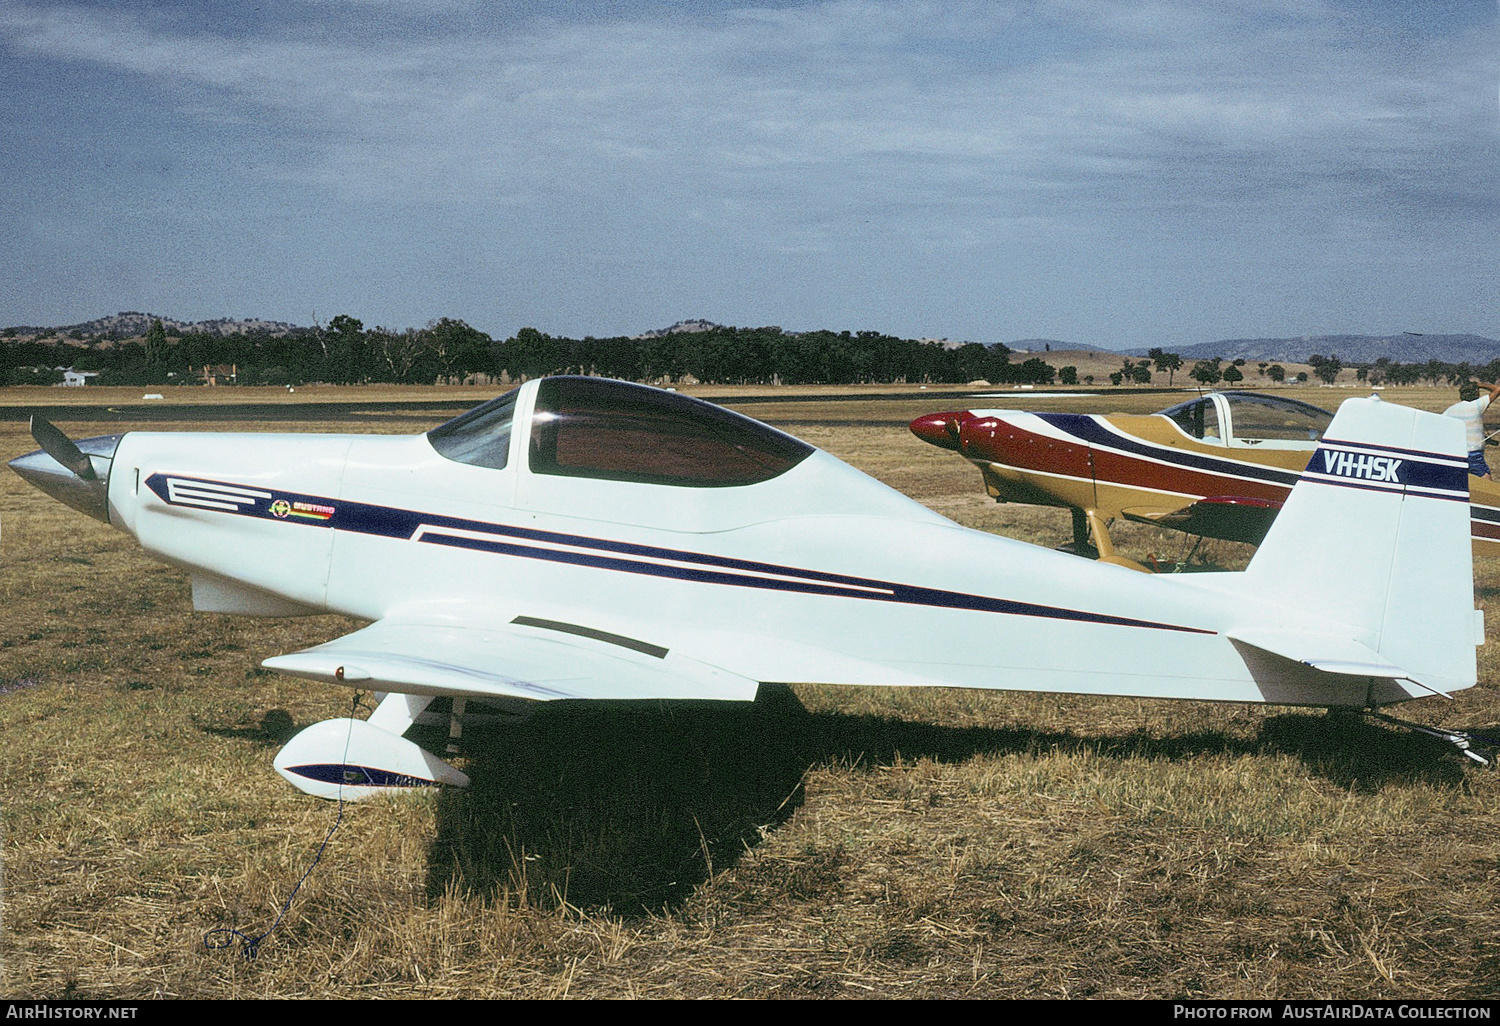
541 660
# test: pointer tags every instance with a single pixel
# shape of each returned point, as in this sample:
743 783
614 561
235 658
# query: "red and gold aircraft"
1219 465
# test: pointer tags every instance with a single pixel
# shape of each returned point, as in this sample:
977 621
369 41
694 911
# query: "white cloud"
797 128
870 97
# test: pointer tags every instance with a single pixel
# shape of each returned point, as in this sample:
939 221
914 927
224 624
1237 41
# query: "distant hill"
1476 350
697 324
1042 345
1402 348
134 324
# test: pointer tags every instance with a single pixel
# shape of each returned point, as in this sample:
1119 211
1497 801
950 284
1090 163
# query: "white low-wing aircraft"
580 538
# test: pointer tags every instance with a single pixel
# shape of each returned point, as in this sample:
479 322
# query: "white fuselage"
821 574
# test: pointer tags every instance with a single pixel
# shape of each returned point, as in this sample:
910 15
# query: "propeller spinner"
75 473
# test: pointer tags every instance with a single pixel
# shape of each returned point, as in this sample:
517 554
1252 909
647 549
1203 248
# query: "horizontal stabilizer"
1328 653
511 660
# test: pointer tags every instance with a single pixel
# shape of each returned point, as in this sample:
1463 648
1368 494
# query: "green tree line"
346 352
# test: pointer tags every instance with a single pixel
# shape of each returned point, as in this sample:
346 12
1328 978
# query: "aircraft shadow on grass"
632 808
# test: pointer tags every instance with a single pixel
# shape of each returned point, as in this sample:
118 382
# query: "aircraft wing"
529 658
1230 517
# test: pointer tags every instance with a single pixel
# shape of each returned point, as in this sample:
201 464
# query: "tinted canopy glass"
595 427
480 437
1268 417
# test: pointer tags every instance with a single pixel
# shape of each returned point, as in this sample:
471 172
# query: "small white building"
77 379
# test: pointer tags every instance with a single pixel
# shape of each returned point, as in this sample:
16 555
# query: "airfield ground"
824 842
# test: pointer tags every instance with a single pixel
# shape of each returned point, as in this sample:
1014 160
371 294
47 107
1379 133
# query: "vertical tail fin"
1374 542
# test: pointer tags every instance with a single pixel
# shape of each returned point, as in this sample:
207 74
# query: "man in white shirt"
1470 409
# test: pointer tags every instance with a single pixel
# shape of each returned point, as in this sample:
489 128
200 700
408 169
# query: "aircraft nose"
983 437
940 429
85 495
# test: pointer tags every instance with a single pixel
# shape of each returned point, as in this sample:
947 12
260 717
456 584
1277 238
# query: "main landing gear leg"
1106 547
1081 546
456 725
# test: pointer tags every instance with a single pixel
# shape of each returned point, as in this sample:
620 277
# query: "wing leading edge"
528 658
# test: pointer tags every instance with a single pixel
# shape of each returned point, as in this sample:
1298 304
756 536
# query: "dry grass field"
823 842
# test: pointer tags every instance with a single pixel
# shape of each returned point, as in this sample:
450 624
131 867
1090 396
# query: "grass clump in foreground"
823 842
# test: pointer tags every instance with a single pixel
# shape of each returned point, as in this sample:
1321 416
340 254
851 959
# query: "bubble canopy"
1249 416
614 430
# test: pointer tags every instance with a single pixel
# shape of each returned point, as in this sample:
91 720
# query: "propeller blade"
61 448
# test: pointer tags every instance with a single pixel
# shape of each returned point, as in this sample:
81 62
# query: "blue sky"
1125 174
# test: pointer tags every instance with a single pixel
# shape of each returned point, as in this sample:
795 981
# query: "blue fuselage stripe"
1417 468
351 775
605 554
1087 427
